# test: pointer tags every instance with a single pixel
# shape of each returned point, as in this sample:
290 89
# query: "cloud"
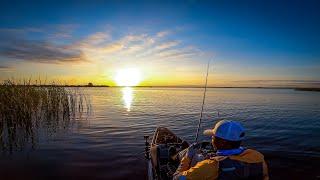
4 68
163 33
96 39
167 45
175 54
103 46
40 51
16 45
52 32
63 31
113 47
142 46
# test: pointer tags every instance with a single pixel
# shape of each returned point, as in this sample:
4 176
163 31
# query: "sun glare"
128 77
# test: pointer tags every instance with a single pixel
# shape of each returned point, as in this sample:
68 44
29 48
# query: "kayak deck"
165 136
164 146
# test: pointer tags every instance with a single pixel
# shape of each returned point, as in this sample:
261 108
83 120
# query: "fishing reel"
206 147
204 150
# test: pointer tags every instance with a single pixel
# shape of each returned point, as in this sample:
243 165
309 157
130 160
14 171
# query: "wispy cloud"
163 33
167 45
15 45
175 53
99 46
91 40
63 31
110 48
4 68
40 51
52 32
103 46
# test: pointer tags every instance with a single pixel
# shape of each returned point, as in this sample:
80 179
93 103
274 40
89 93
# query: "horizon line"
180 86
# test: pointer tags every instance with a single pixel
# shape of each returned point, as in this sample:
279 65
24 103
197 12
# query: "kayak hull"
164 147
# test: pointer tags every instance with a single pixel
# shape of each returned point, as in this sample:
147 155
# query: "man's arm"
184 164
207 169
187 158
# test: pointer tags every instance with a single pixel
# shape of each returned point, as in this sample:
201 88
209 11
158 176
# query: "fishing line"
203 100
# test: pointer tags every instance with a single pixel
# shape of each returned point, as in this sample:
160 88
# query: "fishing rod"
203 100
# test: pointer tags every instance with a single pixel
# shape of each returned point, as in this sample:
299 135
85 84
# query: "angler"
231 161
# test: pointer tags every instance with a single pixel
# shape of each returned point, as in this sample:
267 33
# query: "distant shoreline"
211 87
229 87
307 89
60 85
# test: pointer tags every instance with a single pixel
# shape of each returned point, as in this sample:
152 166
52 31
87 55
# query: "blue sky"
250 41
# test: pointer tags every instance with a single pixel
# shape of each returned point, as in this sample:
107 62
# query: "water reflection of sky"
127 97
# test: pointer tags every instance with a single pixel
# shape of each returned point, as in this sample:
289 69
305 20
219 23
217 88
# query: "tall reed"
27 111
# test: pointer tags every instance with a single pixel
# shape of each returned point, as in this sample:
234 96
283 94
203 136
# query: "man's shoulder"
207 164
250 156
214 161
253 152
211 161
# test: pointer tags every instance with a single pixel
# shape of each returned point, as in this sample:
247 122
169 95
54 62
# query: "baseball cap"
228 130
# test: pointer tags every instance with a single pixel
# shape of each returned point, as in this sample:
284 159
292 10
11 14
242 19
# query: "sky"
248 43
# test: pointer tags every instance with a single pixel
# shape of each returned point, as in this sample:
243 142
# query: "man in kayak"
231 161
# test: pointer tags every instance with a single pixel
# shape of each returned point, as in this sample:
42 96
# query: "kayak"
166 150
161 153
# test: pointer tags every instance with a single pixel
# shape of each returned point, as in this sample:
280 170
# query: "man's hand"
192 150
186 161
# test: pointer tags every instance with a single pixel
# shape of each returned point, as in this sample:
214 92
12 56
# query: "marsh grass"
29 111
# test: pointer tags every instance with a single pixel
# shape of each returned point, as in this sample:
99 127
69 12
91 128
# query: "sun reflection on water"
127 97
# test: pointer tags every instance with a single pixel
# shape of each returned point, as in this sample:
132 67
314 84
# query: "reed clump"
30 111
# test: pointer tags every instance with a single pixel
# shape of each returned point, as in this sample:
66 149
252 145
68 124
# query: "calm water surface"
283 124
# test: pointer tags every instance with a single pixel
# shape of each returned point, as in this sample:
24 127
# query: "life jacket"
230 169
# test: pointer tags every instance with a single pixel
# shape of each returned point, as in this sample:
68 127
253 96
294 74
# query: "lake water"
283 124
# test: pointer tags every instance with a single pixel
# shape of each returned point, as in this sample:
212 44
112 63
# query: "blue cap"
228 130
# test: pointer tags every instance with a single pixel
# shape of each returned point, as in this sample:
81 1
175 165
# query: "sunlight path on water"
127 96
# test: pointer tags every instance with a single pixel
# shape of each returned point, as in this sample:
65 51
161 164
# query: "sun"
128 77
